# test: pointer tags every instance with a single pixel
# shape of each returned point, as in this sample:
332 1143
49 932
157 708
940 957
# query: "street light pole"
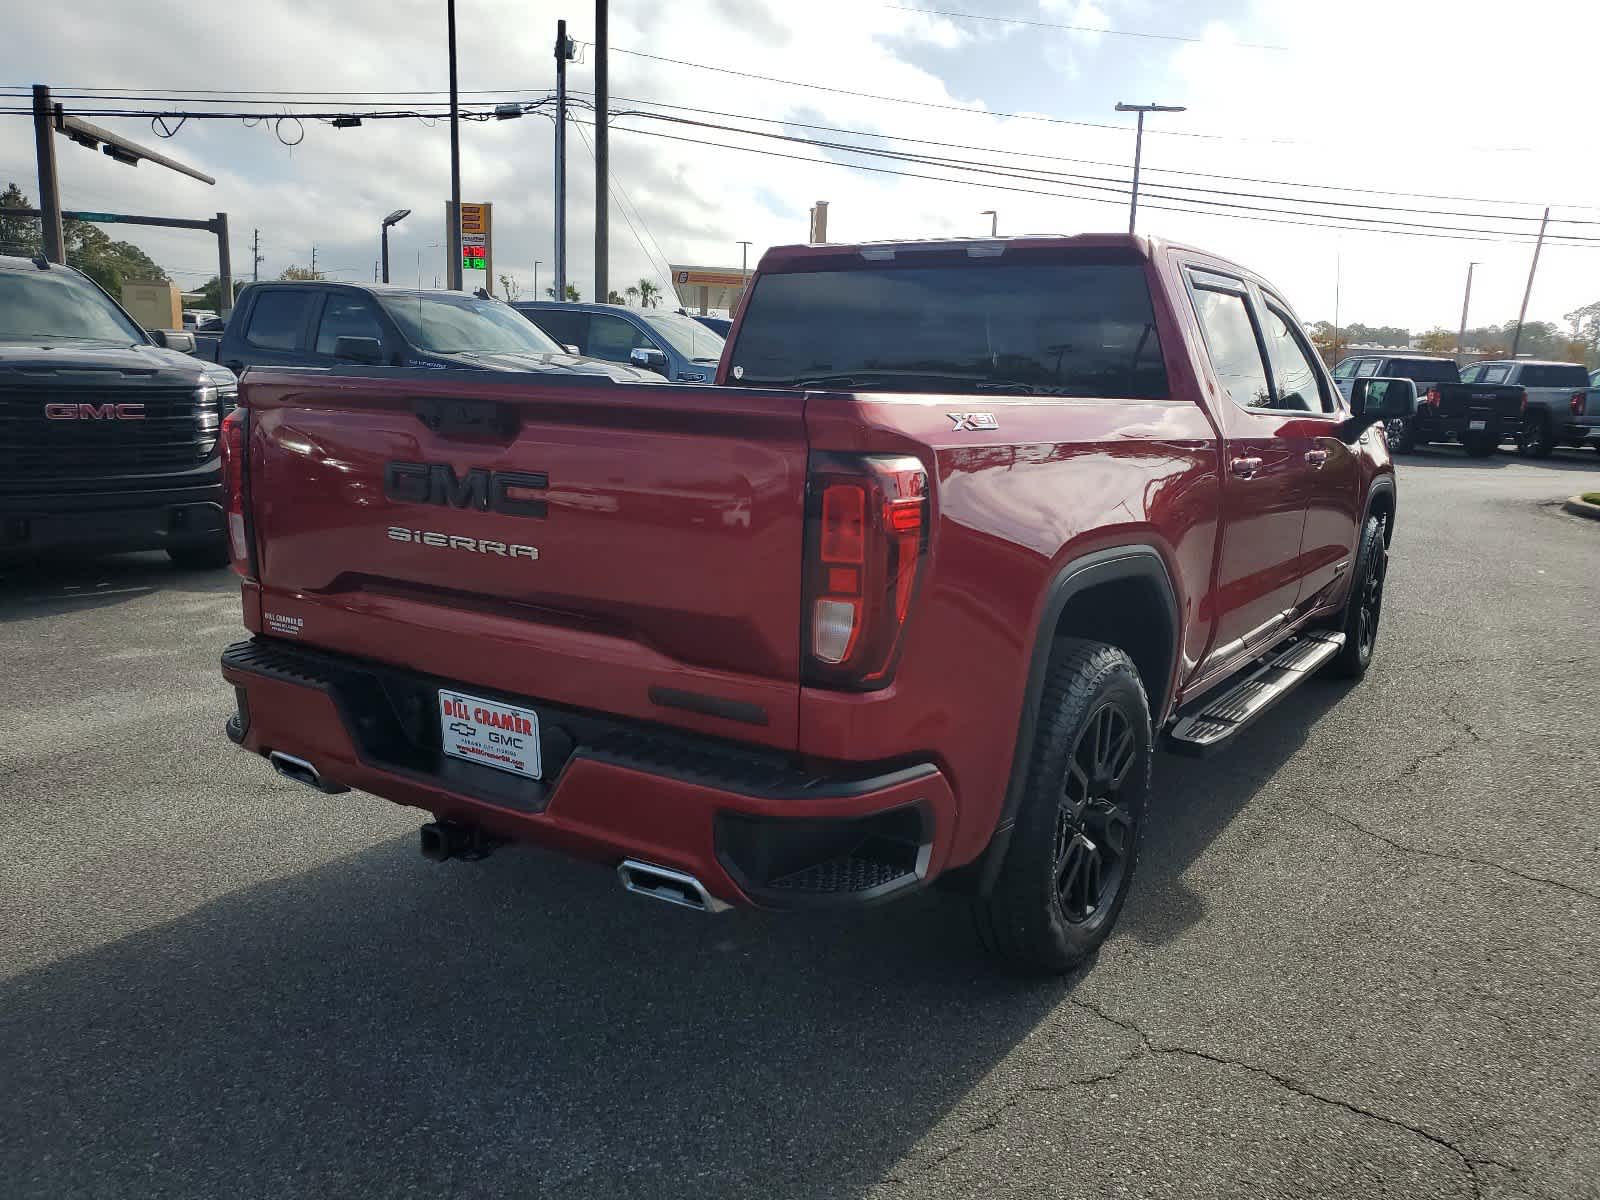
453 234
1461 337
744 260
1138 148
394 218
537 263
994 221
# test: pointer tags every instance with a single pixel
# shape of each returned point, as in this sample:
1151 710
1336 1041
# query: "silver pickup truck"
1562 407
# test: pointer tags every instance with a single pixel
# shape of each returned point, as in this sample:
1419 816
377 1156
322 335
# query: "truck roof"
1529 362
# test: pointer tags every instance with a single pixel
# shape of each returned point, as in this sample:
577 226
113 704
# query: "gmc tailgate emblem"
484 490
94 412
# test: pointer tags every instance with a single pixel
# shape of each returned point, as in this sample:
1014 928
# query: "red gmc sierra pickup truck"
965 531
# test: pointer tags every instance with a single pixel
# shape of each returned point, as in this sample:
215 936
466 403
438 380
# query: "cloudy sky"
1466 100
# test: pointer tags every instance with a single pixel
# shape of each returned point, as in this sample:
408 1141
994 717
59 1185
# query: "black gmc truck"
108 435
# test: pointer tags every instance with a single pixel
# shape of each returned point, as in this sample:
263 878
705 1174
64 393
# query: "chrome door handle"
1316 457
1245 468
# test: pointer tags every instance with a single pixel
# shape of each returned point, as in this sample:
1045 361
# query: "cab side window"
1234 346
1367 368
346 316
612 338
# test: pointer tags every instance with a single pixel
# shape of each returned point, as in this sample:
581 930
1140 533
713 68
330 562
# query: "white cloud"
1397 108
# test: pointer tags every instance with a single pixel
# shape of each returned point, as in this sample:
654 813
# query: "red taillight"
1576 404
866 535
234 504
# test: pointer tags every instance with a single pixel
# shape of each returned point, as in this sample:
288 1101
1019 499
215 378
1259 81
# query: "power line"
1160 37
1276 220
1096 162
666 278
1095 182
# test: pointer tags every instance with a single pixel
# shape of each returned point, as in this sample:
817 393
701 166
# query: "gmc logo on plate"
94 412
484 490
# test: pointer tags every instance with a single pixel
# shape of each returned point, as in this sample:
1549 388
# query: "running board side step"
1224 717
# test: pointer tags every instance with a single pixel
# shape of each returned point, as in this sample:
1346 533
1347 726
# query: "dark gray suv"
670 343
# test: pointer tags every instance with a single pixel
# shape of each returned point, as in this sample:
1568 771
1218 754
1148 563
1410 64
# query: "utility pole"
224 267
255 251
819 222
314 260
994 221
1138 148
537 263
1461 337
1523 315
563 53
453 232
44 139
602 157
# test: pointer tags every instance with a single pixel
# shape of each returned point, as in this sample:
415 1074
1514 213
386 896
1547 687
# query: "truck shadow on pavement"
50 586
381 1026
1564 459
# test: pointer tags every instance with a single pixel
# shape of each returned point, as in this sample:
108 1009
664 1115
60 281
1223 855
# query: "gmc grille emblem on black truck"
484 490
94 412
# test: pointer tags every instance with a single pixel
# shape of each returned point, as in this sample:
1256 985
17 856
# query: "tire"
1362 610
1401 440
1536 440
1071 858
201 556
1480 445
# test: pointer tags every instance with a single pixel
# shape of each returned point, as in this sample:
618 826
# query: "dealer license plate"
490 732
1476 424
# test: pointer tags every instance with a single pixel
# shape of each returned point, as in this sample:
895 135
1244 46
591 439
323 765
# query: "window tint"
1424 370
685 335
611 338
451 323
1366 367
1293 370
1493 375
567 327
1554 375
1345 369
1471 374
346 316
1231 341
277 319
1061 329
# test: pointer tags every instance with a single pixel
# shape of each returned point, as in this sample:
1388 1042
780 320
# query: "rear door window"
1057 328
1425 370
346 316
613 339
567 327
1366 368
1493 375
278 320
1234 345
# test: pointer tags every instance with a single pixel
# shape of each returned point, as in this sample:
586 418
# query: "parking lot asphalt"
1360 959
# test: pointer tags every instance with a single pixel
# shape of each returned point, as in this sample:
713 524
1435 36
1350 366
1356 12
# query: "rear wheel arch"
1381 503
1122 596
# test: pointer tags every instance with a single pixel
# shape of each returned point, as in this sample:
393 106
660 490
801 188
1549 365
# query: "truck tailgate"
1479 401
632 549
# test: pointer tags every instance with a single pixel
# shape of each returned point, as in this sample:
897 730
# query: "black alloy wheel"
1094 829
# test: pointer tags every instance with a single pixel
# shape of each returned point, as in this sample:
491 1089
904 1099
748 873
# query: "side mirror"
649 358
173 339
571 349
1377 399
359 350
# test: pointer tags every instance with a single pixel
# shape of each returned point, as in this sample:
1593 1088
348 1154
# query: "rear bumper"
110 520
1580 432
753 826
1456 427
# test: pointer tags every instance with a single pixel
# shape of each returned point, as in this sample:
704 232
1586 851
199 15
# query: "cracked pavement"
1360 959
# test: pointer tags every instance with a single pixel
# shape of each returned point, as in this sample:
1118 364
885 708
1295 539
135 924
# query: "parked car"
108 434
318 323
1553 412
1480 416
1032 526
671 344
195 319
721 326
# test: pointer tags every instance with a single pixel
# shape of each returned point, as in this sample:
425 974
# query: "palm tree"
631 292
649 294
614 297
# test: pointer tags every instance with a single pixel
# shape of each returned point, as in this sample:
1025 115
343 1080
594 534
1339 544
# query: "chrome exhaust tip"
299 770
667 885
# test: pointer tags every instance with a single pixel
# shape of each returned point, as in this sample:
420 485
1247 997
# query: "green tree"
300 273
209 295
1585 324
510 289
614 297
1437 341
649 294
631 292
572 292
89 248
18 235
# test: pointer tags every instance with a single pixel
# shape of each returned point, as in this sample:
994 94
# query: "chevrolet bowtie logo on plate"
974 420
